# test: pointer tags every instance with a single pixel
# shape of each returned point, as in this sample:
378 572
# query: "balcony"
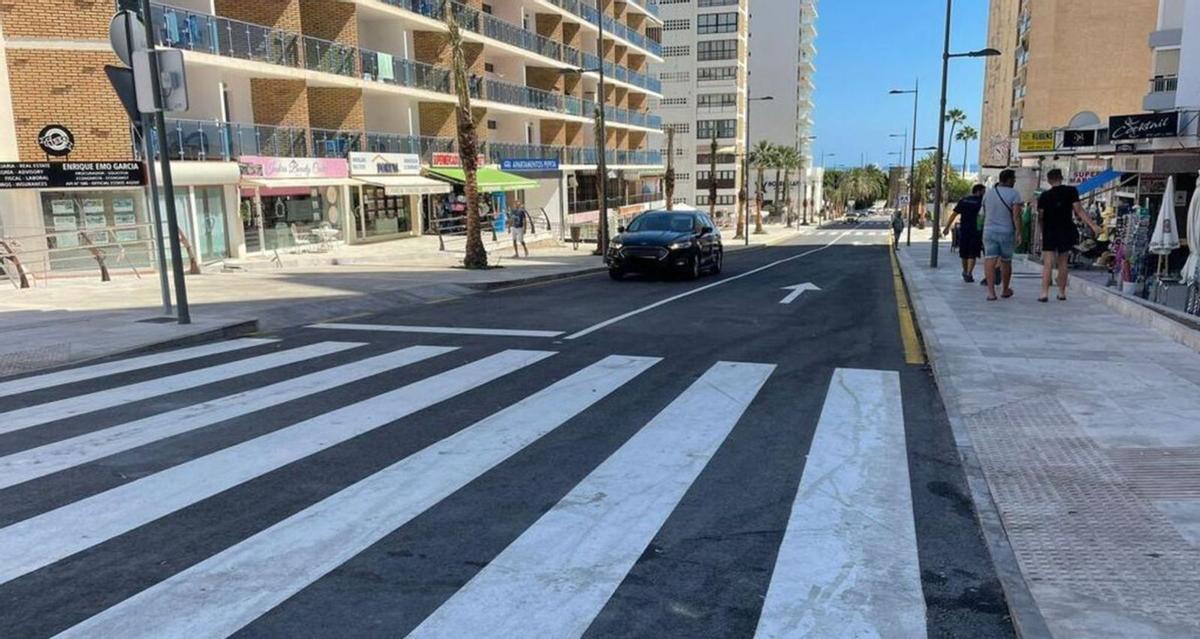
1166 38
611 26
1162 93
188 30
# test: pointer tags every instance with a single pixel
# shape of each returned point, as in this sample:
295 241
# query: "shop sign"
384 163
1075 138
451 161
1036 141
56 140
70 175
282 168
1126 148
542 164
1152 184
1144 126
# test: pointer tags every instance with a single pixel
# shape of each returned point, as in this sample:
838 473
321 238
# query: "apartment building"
1062 59
704 75
1175 69
787 119
332 113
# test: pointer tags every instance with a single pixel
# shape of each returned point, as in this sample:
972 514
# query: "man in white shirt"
1001 231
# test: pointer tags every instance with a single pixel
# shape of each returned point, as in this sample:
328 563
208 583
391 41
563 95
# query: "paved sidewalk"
1086 425
77 319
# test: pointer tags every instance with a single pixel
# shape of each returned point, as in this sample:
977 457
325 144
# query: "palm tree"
966 136
712 177
956 118
761 157
669 179
468 149
789 159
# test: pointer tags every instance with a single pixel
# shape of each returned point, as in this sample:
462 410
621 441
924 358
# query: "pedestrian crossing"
852 233
846 562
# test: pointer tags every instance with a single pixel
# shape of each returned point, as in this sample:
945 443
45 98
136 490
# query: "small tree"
966 136
468 148
761 159
712 182
669 180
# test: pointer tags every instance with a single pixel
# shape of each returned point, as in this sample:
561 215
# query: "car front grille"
645 252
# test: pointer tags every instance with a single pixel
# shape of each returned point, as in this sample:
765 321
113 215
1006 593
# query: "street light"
746 161
826 155
941 150
912 168
903 145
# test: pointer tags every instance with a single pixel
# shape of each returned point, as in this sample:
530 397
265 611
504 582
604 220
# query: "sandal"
1007 294
1043 299
992 298
1062 298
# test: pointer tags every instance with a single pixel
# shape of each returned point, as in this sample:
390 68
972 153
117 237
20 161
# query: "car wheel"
616 273
694 273
716 267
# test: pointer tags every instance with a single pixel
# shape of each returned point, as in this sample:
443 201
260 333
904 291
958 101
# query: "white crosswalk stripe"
51 458
224 593
51 536
39 414
555 578
70 376
848 565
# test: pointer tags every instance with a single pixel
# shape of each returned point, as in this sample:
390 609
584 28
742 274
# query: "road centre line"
620 318
436 330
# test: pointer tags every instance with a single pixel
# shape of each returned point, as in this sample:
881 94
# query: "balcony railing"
382 67
588 12
183 29
225 141
1164 83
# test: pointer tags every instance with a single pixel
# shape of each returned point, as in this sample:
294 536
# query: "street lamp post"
939 172
746 162
903 146
912 169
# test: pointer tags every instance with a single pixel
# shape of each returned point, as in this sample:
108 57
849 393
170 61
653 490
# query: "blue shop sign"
540 164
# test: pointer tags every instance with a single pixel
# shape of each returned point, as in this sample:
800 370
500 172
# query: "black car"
683 242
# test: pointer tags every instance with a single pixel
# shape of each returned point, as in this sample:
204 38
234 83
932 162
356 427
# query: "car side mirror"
706 230
620 229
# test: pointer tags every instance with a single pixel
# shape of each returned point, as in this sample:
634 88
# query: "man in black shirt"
1056 208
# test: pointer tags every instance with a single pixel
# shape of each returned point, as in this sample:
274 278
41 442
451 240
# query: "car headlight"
680 245
616 245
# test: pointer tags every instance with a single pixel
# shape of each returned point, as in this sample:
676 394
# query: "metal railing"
615 200
183 29
214 140
1164 83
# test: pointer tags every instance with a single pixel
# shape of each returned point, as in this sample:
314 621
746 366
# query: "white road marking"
42 540
39 414
847 566
438 330
61 455
222 594
797 291
620 318
556 577
37 382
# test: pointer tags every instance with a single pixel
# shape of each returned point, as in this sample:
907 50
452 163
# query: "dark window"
708 23
717 50
716 73
723 129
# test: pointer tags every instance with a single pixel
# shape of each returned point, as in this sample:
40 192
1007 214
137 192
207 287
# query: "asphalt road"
646 458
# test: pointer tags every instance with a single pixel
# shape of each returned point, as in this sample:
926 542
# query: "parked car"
663 242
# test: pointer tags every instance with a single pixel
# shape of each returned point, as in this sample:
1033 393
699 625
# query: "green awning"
490 180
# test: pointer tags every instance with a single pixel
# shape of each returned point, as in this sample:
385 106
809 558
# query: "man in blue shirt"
1001 231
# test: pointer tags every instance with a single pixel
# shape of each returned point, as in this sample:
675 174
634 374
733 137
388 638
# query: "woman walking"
970 239
1059 236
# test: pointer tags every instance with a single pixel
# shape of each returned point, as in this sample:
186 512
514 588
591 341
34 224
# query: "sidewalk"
78 319
1086 425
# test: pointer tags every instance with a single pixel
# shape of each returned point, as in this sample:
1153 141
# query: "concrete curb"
240 328
1177 326
1027 618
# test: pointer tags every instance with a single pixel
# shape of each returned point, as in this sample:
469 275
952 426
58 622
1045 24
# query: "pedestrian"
970 242
518 220
1059 236
1001 232
897 226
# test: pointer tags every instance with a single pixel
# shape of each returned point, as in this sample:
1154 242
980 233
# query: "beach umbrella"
1166 235
1192 269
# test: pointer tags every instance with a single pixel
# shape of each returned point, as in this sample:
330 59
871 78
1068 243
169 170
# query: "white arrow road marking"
797 291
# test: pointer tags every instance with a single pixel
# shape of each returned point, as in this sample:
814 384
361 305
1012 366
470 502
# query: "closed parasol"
1191 271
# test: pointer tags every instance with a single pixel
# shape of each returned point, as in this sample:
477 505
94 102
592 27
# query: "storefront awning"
406 184
1087 186
490 180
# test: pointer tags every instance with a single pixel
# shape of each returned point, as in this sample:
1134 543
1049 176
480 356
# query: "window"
722 200
716 50
713 74
722 128
708 23
716 100
677 25
710 3
705 159
675 76
680 127
673 101
676 52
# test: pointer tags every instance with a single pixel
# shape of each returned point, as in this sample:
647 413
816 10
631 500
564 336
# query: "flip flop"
1007 294
1044 299
1062 298
992 298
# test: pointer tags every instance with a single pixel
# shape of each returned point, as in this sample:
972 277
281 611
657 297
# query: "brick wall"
438 120
432 47
636 61
280 14
573 134
554 132
637 140
337 21
68 88
550 25
73 19
544 78
279 102
336 108
637 101
571 34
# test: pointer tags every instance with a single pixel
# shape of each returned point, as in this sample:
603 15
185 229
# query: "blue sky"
867 47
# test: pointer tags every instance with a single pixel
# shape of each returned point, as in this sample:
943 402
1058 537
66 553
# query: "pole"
940 171
912 167
602 166
746 167
181 302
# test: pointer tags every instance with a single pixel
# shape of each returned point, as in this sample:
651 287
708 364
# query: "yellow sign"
1036 141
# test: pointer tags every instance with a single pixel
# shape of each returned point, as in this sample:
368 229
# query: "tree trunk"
97 255
775 203
468 149
193 265
10 255
758 201
787 196
670 177
966 153
712 181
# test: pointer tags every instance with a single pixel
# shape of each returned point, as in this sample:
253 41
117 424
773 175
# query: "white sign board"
384 163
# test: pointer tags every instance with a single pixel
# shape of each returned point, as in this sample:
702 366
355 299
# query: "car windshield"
678 223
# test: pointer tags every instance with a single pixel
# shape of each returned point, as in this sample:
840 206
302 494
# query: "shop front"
498 191
390 193
289 203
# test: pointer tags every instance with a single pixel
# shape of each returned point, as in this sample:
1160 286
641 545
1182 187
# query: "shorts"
999 245
518 233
